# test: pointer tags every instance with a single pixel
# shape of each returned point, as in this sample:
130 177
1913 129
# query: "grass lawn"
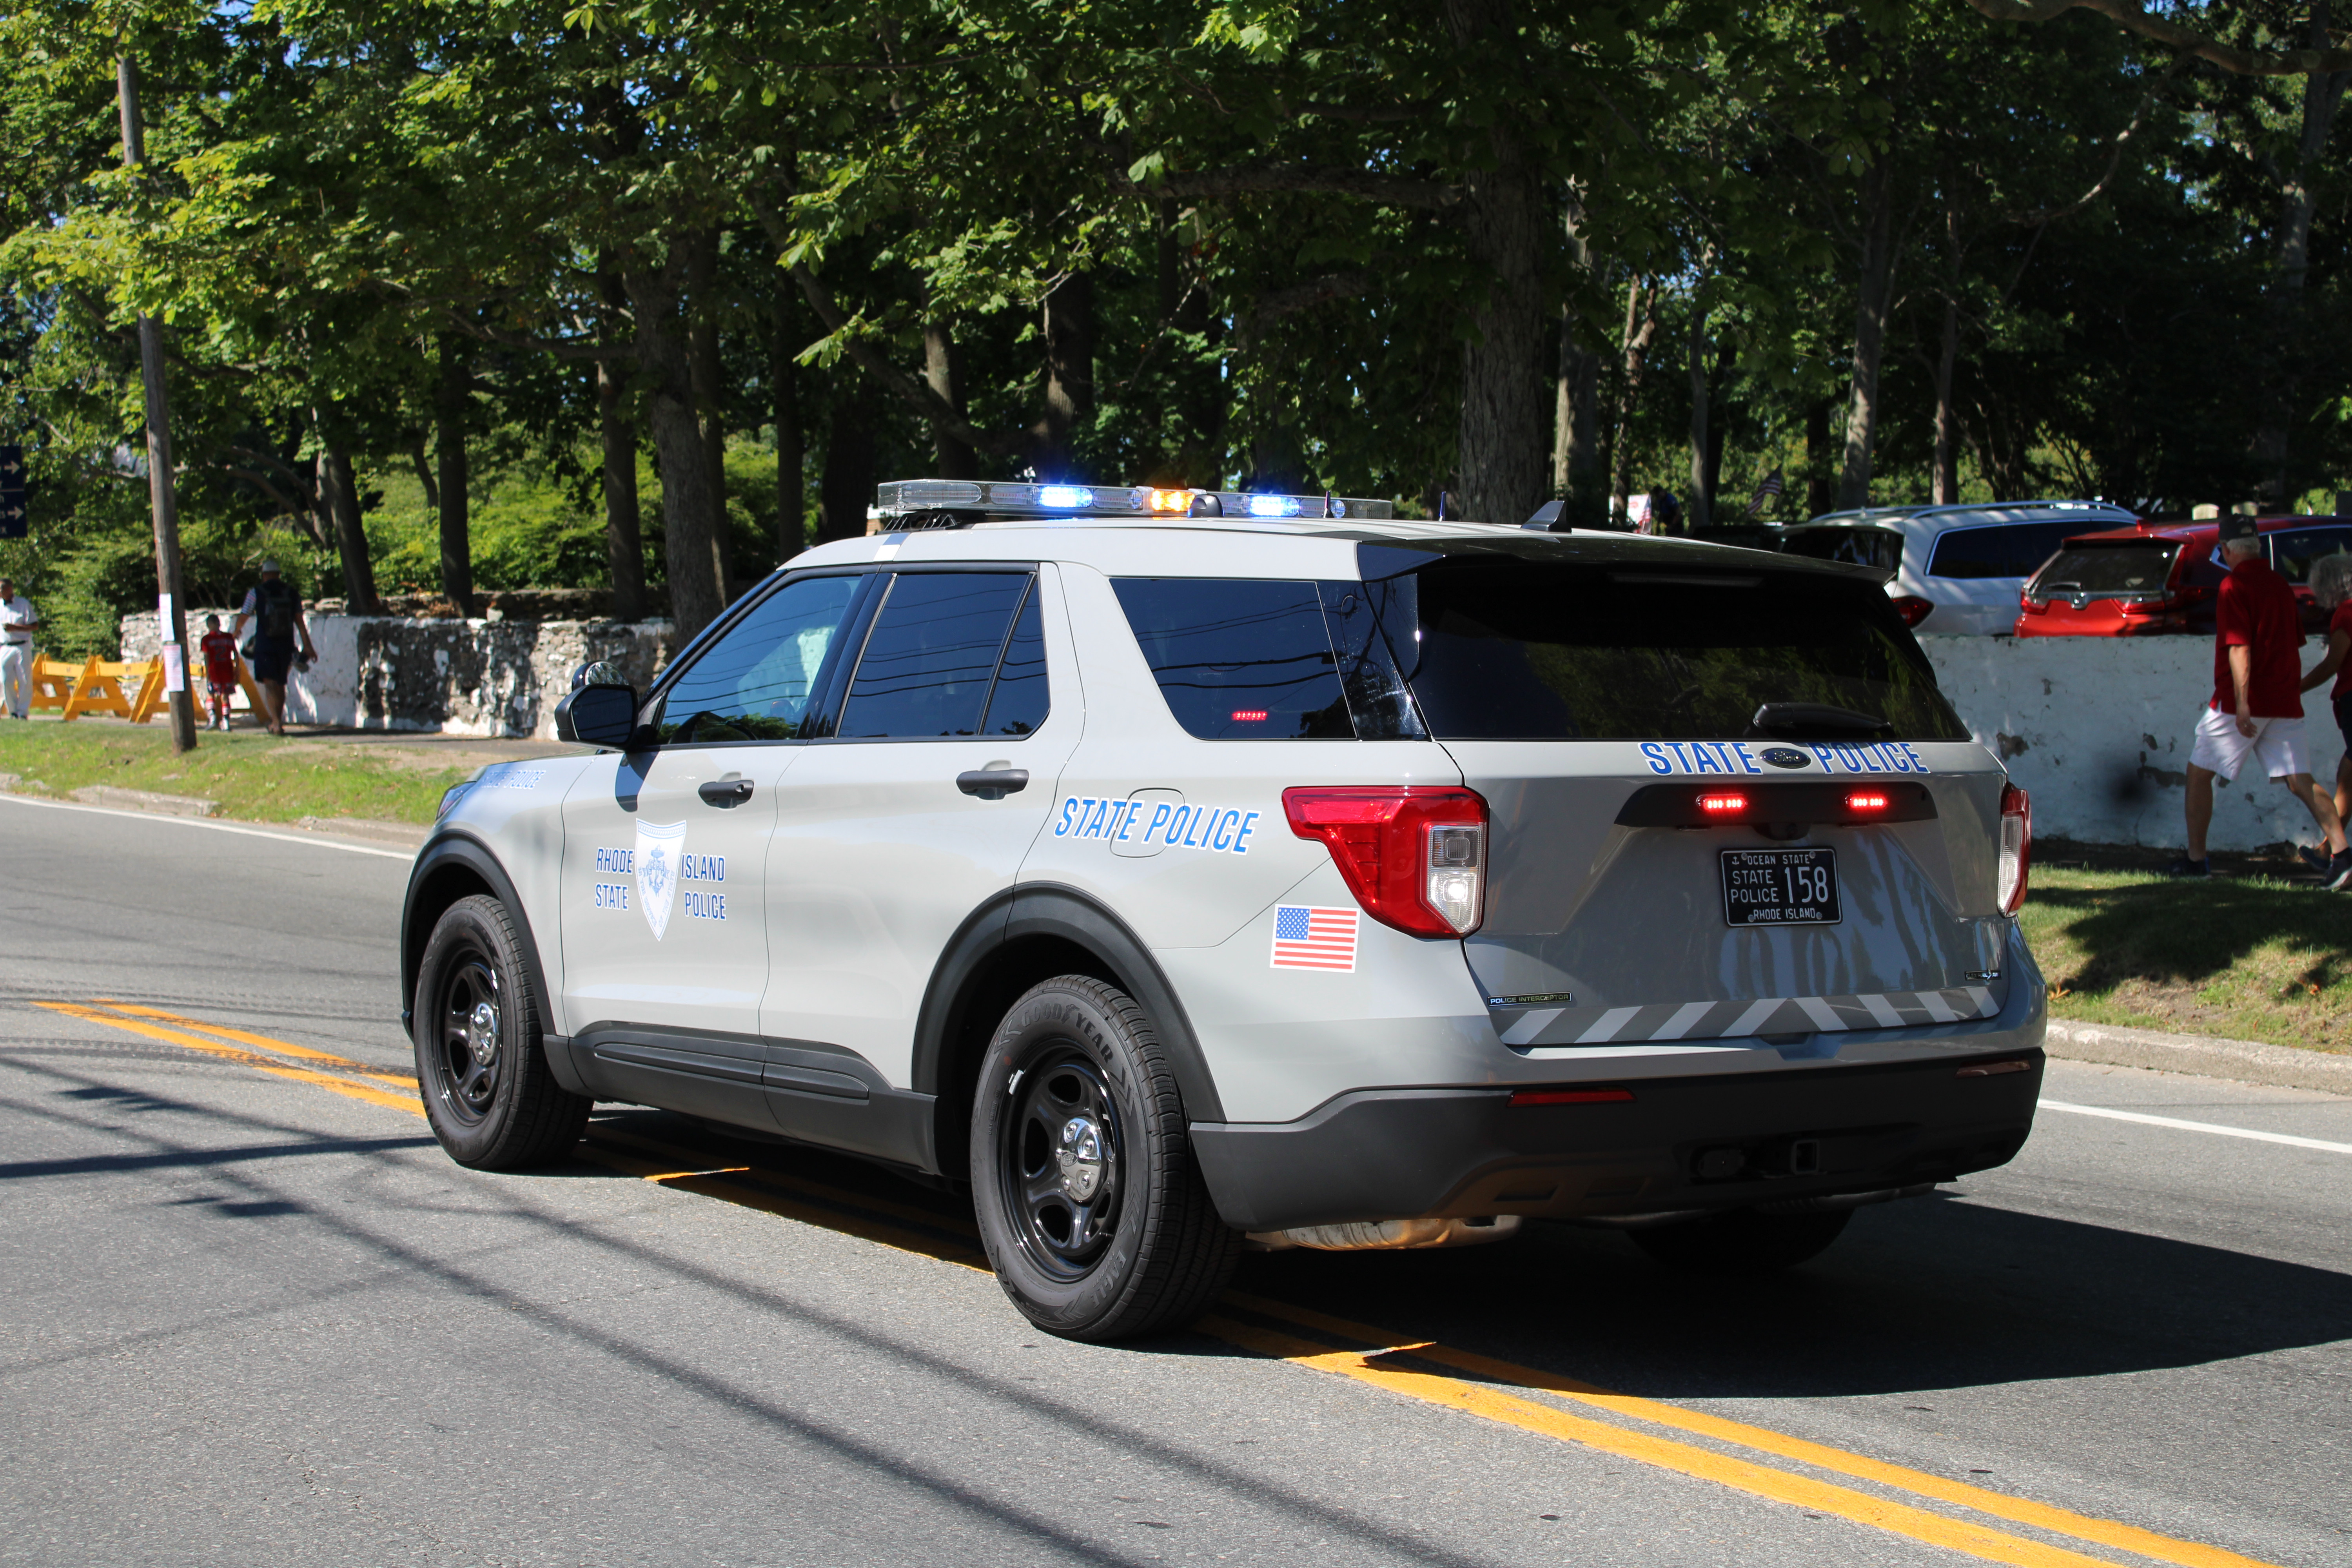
253 774
2248 957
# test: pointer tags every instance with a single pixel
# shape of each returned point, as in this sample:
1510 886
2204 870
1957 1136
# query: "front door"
920 807
664 852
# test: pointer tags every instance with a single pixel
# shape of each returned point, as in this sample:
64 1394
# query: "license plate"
1781 887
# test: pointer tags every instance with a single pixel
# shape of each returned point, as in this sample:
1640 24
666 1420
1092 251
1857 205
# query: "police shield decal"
660 846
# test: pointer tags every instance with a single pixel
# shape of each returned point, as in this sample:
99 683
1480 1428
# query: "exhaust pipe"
1391 1235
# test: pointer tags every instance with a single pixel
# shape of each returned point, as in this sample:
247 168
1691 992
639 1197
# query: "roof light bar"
1008 498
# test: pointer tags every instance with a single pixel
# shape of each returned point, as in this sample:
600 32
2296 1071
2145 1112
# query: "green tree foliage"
493 293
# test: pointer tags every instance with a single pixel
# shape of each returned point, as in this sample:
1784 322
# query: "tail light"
1414 855
2016 846
1912 608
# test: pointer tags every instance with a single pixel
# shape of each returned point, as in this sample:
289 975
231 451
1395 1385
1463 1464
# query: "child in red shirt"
219 649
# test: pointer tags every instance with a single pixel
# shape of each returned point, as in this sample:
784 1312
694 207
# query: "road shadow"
1938 1292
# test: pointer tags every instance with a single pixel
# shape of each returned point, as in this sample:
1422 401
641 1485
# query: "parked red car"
2157 577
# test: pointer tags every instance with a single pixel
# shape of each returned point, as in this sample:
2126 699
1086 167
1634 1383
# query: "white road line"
215 827
2287 1138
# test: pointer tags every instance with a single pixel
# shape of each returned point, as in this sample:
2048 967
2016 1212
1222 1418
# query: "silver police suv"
1188 870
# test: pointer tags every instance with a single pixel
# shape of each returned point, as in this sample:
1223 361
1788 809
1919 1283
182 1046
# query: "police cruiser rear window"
1519 649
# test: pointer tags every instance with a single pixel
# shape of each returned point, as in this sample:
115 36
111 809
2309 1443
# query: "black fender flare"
444 848
1053 910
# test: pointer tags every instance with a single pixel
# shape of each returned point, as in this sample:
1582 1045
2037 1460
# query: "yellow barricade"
150 700
108 686
54 680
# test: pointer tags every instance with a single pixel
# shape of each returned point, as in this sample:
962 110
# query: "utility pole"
160 496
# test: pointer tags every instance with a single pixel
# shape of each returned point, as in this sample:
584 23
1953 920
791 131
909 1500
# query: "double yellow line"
1526 1398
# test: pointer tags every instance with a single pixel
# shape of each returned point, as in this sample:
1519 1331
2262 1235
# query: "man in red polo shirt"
2257 707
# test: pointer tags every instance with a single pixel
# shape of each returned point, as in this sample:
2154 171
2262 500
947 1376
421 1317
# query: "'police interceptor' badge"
659 846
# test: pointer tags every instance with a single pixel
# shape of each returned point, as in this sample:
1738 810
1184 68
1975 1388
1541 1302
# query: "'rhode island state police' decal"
1220 829
1667 757
660 846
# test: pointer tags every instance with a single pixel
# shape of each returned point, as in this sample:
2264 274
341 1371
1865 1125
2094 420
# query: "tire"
488 1092
1741 1242
1089 1204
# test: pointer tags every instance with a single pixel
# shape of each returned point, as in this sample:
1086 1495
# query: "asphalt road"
249 1313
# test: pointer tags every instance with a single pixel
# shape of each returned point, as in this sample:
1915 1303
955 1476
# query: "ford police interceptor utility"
1181 869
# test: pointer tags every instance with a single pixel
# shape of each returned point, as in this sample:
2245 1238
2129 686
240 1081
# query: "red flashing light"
1249 715
1571 1096
1723 804
1866 800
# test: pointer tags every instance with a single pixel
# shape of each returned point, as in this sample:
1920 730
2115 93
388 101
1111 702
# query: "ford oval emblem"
1785 757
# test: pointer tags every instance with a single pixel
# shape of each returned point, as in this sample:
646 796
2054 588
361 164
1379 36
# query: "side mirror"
598 716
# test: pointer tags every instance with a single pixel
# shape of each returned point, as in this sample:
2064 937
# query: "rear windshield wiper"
1791 719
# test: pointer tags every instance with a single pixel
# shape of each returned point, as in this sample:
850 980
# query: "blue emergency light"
955 502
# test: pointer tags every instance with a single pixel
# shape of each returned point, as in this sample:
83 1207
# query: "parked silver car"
1171 868
1956 568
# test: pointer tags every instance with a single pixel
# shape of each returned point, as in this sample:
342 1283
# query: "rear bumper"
1713 1142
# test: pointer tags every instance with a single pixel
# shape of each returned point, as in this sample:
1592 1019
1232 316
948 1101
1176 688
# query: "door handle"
725 793
993 784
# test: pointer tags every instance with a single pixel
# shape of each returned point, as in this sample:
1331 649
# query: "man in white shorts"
17 625
2257 707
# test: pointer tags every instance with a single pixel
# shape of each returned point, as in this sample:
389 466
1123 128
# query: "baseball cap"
2237 525
270 566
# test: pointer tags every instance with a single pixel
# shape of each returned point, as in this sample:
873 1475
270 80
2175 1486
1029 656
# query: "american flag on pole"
1307 938
1772 486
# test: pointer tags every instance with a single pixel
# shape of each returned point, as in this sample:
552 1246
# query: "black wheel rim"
469 1050
1062 1162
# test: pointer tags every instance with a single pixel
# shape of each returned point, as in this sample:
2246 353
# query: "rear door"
1664 866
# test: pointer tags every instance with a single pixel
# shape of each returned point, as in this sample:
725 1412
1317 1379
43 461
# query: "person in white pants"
17 625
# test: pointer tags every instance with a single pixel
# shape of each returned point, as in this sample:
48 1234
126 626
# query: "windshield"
1497 649
2104 570
1876 547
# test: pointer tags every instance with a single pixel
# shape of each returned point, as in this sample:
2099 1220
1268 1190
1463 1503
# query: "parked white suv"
1176 867
1954 568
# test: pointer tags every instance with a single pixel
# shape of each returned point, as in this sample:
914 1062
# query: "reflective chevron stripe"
1663 1021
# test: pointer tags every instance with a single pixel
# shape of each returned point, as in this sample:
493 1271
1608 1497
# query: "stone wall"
2098 729
469 678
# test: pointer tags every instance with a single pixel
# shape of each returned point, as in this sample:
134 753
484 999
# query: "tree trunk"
1640 331
424 470
708 377
1698 513
1577 439
1876 292
791 456
1499 453
697 594
624 547
351 535
1947 477
1069 374
951 458
847 488
2322 96
452 401
1821 495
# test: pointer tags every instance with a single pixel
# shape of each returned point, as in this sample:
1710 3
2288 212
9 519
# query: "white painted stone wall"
2098 729
465 677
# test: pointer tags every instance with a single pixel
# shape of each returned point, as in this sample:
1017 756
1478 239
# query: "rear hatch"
1727 800
2108 588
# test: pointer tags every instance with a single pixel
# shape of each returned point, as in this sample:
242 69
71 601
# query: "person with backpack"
276 611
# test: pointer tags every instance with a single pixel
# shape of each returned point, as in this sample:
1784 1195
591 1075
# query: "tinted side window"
1239 659
2004 550
1019 703
754 683
2294 550
1879 547
931 655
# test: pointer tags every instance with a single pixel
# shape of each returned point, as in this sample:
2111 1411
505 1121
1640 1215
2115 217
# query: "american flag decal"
1306 938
